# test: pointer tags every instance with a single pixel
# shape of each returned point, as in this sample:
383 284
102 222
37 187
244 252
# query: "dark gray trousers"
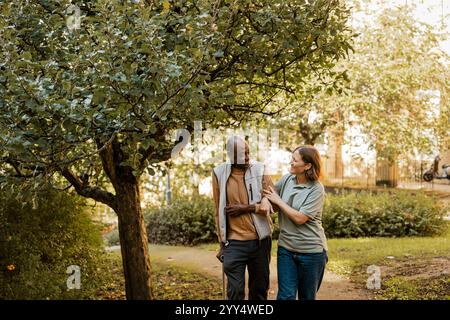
251 254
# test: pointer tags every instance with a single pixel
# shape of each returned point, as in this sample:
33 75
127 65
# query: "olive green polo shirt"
308 198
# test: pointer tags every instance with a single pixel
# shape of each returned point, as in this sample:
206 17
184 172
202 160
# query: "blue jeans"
302 272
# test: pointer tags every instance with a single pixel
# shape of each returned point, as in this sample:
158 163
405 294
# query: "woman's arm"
296 216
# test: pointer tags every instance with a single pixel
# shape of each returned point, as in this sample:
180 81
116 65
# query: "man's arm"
238 209
233 210
267 182
264 207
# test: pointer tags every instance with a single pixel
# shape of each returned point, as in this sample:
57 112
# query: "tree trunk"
133 239
132 232
306 134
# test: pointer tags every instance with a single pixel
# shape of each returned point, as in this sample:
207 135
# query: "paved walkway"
441 187
334 287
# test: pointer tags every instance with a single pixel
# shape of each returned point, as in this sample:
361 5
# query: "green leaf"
27 55
139 124
151 171
98 97
219 54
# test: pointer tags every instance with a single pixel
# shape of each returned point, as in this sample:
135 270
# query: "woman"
302 245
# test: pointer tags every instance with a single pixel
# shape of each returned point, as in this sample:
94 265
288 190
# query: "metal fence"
408 175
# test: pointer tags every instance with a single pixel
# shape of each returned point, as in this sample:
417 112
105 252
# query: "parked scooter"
432 173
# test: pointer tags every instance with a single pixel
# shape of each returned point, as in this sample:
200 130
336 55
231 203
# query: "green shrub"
112 238
42 233
188 221
276 226
386 214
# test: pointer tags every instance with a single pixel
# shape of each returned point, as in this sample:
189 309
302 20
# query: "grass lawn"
346 255
411 267
169 283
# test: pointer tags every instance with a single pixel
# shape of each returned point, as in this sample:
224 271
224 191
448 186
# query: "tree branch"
37 169
269 85
89 191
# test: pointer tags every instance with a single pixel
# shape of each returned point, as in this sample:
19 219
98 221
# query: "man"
244 225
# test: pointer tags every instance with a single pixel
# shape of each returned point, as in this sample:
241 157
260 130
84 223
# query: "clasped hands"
272 196
265 207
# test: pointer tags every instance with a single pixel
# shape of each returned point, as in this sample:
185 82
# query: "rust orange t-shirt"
240 227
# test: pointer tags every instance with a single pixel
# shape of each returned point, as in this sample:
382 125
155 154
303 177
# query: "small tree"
318 105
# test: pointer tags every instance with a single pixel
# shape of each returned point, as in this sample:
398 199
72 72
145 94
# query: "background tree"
96 104
319 104
398 72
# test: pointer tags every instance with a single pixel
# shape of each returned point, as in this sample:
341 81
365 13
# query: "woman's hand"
272 195
265 206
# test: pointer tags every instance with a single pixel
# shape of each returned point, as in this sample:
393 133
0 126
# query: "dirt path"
334 287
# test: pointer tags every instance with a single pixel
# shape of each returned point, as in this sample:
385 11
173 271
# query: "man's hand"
238 209
219 254
265 207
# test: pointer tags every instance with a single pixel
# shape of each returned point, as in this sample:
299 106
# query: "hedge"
190 221
385 214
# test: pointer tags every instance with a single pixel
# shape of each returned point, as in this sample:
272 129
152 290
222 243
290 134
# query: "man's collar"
250 163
